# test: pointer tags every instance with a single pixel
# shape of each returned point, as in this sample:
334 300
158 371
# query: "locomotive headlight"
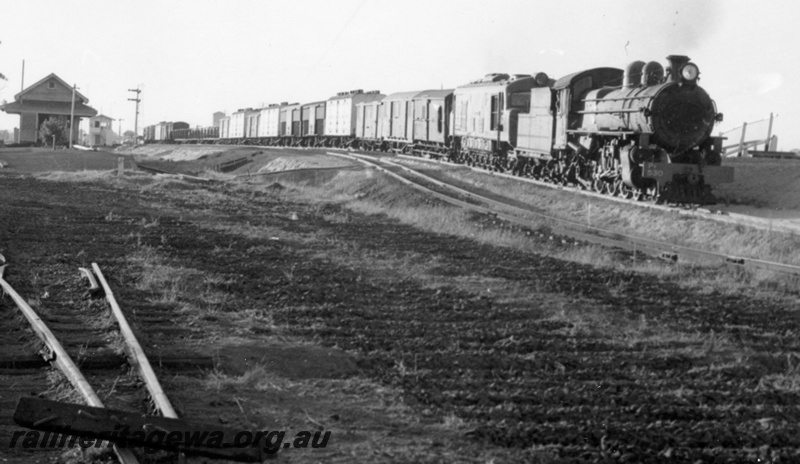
690 72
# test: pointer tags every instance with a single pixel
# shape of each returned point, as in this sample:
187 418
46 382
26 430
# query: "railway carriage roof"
608 77
512 83
321 102
352 94
444 93
403 95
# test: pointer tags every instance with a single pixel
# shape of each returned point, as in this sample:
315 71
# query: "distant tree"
53 131
128 135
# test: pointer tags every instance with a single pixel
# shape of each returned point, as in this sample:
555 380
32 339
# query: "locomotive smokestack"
676 62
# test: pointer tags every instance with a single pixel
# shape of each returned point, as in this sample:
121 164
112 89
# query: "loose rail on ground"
59 356
65 413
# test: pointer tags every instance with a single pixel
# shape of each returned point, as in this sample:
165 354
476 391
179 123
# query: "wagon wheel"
563 175
597 185
636 194
512 165
551 171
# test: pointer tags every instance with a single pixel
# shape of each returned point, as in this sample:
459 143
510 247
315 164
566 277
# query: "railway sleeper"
106 361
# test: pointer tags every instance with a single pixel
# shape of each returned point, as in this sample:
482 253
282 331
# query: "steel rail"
60 358
717 216
488 211
322 169
136 354
583 232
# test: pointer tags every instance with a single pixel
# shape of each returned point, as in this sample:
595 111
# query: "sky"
192 58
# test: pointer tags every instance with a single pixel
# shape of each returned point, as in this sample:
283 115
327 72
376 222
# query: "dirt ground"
411 346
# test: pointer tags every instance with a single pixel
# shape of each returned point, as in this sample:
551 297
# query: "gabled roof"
63 108
78 95
103 116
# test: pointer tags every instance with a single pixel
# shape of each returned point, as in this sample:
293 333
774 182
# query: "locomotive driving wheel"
617 188
626 192
597 185
652 194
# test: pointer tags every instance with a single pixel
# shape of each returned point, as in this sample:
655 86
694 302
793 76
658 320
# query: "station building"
51 96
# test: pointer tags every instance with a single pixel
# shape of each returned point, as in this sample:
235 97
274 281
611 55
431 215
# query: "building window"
97 124
51 85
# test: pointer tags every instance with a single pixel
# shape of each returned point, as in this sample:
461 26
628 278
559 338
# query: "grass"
197 292
256 378
781 192
364 193
683 230
271 397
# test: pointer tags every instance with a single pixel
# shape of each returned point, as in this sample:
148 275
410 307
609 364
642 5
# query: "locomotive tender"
642 132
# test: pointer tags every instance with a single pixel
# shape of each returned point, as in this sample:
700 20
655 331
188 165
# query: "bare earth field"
408 343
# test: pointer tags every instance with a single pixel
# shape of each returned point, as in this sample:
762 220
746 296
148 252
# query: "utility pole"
72 116
119 128
136 120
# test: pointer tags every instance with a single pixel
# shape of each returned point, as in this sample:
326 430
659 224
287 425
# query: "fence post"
741 140
769 134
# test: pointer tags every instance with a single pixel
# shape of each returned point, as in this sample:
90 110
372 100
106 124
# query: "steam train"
641 133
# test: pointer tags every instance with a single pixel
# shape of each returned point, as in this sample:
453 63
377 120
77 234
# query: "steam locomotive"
641 133
633 133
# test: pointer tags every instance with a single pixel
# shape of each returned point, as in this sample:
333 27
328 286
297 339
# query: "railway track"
714 214
70 339
504 209
718 215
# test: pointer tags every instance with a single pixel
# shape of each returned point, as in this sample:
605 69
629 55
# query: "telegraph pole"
72 116
137 90
119 128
